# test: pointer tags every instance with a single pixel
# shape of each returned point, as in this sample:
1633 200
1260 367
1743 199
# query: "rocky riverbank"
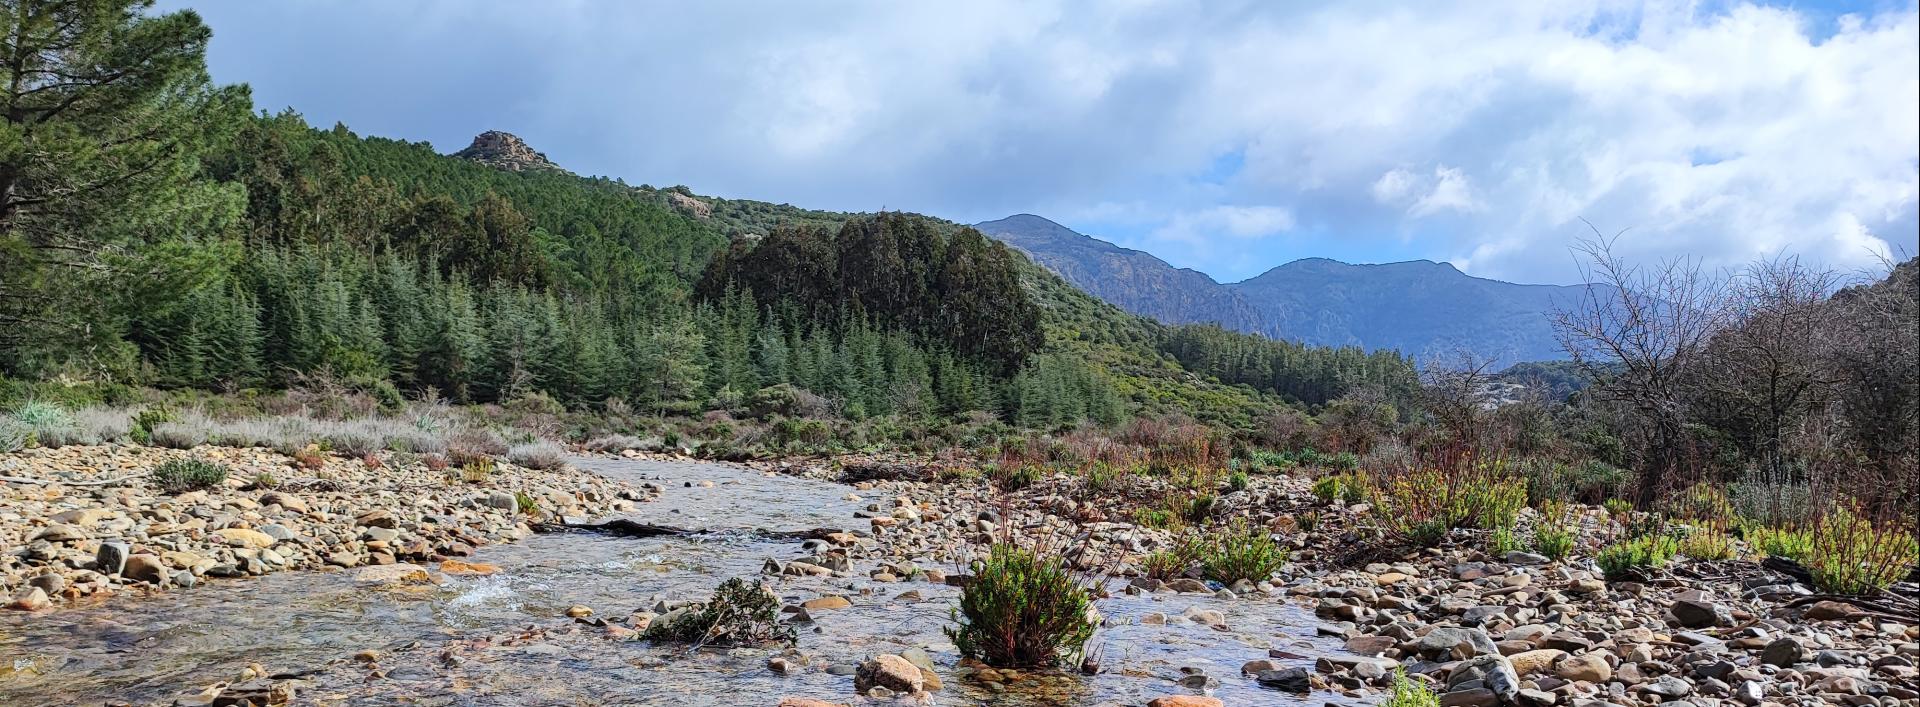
81 523
1481 630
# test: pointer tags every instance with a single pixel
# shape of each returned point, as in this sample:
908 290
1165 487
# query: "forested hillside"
403 272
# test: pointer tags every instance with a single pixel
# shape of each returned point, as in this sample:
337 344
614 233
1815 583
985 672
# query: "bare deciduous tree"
1635 332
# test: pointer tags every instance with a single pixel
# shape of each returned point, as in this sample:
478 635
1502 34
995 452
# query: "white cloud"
1723 131
1448 189
1239 222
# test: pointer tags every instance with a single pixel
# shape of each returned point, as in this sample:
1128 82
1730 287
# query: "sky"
1229 137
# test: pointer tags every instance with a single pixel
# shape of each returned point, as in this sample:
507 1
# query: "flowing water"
472 640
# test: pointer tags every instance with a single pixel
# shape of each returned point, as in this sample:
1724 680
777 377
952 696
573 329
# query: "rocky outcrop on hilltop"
504 150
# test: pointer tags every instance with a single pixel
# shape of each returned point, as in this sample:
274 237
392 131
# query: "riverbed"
504 639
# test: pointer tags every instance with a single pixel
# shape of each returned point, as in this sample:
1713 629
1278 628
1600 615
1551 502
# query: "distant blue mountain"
1426 309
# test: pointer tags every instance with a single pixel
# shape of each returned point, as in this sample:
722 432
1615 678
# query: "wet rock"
394 574
579 611
29 599
1185 701
1187 585
827 602
889 672
1295 680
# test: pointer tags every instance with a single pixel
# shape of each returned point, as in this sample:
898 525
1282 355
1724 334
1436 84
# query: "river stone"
1535 661
60 533
284 500
401 573
1784 653
111 558
1188 585
1492 671
1474 697
29 599
82 517
808 702
1699 613
503 501
1186 701
1370 644
1286 679
887 671
1588 667
244 537
145 568
827 602
1457 643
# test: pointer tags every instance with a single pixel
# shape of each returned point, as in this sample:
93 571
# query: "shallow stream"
468 641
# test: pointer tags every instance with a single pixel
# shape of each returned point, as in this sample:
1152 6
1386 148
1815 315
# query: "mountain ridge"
1424 308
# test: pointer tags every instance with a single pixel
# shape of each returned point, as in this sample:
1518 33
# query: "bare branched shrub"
1636 331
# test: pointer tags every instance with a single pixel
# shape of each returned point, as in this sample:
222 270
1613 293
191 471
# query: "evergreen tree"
105 110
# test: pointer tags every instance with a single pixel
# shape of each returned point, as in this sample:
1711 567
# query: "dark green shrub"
1198 508
182 475
145 420
1237 481
1015 476
1175 561
741 613
1022 610
1244 552
1327 488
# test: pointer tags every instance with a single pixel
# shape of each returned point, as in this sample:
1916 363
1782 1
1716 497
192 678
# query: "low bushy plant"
1852 554
1237 481
741 613
1555 534
183 475
1407 693
1619 508
542 455
1706 544
1174 561
1629 558
1243 552
1503 540
1015 476
477 471
1022 609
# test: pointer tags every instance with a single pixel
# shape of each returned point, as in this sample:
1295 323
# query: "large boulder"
1450 643
889 671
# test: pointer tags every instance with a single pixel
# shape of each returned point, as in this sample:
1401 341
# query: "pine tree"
106 109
